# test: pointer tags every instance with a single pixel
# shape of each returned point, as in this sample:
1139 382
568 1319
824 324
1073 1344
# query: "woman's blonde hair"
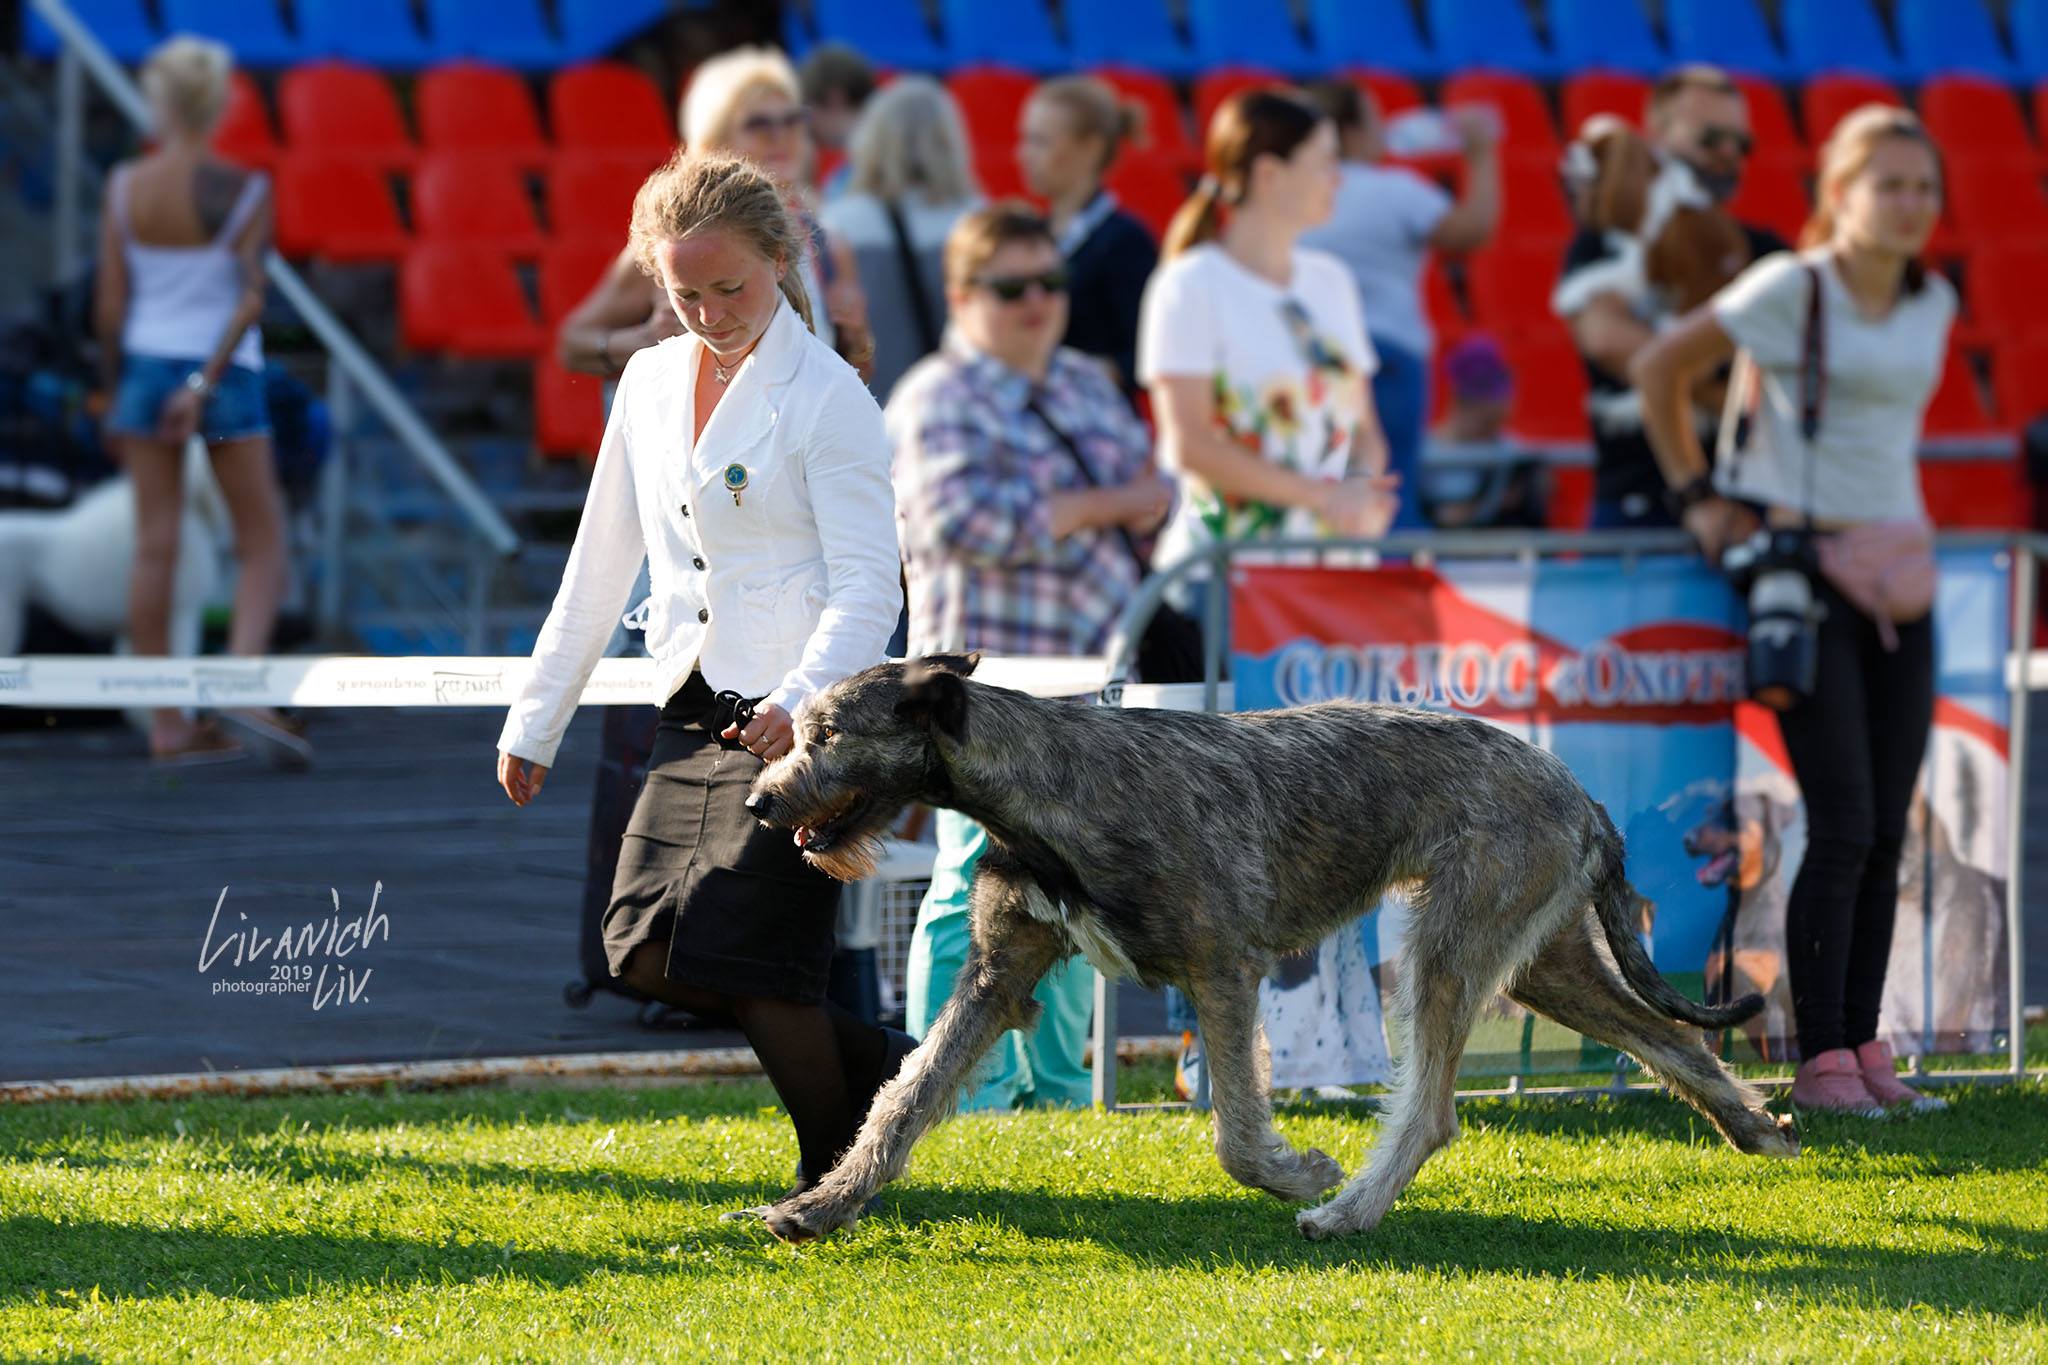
186 79
706 191
911 138
718 86
1845 155
1093 109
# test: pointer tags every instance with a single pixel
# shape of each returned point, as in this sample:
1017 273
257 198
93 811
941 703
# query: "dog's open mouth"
1716 870
821 834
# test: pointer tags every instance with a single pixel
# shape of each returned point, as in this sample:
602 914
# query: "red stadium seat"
1510 289
591 195
1391 90
1957 408
1993 207
1970 116
568 410
2003 288
1151 188
467 302
1829 97
1001 178
1216 86
1604 92
1772 195
1532 203
480 203
1441 303
245 135
1976 495
338 208
1525 115
1550 391
991 100
569 269
2019 374
610 107
1770 121
1165 131
337 107
473 107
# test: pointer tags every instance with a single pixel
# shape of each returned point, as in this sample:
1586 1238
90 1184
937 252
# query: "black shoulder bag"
913 279
1171 650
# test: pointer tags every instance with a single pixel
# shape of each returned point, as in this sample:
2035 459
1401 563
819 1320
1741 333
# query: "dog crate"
879 913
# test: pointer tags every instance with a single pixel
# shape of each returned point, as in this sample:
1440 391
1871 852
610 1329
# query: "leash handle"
739 708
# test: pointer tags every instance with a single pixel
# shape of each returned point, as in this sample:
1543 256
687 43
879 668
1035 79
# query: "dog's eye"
825 735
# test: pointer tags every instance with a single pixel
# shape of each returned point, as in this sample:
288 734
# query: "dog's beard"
851 858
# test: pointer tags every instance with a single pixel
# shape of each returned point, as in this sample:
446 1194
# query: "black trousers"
1856 746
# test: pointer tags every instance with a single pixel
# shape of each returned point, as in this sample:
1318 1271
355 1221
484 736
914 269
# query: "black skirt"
746 915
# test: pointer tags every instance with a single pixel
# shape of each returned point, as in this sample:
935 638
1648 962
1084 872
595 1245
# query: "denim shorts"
235 411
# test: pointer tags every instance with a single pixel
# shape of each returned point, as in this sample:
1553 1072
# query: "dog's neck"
963 775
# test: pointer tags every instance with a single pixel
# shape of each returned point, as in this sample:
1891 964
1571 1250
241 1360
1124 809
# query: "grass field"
583 1223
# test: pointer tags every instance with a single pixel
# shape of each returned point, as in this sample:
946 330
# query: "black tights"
1856 747
824 1063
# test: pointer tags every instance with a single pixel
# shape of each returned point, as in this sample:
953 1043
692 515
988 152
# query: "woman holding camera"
1848 338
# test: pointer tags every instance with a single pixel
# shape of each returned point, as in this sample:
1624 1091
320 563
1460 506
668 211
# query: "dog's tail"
1614 900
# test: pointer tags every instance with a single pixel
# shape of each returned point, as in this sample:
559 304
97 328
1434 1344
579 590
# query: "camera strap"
1813 380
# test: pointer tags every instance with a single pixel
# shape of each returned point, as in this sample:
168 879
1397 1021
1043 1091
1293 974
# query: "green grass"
580 1223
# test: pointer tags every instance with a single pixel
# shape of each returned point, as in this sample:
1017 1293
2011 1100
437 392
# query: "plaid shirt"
974 471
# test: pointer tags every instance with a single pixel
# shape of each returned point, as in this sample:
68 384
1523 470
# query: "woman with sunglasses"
748 465
1023 485
745 102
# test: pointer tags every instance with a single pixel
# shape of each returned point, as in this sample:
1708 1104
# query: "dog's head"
865 748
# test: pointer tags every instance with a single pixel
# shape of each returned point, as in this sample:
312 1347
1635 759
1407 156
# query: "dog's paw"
1784 1140
807 1218
1320 1170
1319 1224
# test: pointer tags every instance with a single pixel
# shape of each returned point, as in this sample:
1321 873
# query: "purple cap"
1477 371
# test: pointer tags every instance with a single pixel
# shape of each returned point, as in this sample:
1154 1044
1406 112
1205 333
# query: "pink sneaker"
1833 1081
1881 1079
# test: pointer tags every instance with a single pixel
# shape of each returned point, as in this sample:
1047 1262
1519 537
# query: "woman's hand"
1362 506
521 778
179 416
1145 502
768 736
1717 523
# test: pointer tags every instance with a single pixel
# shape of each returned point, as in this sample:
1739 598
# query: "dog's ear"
958 664
936 697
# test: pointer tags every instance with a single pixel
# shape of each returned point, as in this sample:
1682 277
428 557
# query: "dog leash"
733 709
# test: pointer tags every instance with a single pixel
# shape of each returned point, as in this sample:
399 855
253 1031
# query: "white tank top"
180 298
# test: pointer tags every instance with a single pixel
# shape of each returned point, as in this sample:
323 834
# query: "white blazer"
778 594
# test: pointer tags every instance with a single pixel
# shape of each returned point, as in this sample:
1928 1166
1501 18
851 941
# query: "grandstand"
456 172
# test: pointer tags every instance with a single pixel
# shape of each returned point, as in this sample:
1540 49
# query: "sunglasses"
760 125
1010 288
1713 139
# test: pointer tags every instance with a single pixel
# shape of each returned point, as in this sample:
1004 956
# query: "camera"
1775 570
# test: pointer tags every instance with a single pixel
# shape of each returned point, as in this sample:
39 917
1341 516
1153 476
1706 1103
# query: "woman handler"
747 461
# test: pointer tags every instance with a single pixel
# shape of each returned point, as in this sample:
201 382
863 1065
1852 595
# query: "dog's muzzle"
761 806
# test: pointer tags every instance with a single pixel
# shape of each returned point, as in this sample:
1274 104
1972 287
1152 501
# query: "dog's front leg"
1011 950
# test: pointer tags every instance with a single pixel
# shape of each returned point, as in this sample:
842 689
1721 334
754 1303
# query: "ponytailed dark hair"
1248 125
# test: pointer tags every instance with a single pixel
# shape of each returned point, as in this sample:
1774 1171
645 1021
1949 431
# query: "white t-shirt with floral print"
1288 366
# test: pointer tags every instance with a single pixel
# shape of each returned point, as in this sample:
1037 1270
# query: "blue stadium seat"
2030 37
1729 33
122 26
1490 33
1839 35
1382 37
252 28
889 33
372 32
1250 33
591 28
1943 36
1136 33
1018 34
508 32
1611 35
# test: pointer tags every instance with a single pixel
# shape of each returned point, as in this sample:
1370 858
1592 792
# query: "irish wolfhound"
1195 849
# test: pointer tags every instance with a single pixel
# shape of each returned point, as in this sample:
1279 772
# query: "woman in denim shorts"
180 287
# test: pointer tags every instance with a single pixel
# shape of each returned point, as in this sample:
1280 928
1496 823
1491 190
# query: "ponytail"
798 296
1196 221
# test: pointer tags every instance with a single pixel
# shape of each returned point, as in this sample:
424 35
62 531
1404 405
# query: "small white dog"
75 564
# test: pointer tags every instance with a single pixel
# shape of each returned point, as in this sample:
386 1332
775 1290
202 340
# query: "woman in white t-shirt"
1856 743
1254 348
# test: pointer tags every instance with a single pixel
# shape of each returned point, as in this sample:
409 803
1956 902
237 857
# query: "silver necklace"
722 374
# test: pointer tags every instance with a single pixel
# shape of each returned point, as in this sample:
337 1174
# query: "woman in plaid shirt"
1024 484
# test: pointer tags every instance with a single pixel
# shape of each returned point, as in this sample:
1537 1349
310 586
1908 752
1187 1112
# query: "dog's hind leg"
1227 1003
1012 949
1574 981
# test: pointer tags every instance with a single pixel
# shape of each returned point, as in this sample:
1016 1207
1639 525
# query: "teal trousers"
1039 1067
